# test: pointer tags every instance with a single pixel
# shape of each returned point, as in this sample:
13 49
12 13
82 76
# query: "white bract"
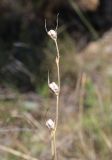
53 34
54 87
50 124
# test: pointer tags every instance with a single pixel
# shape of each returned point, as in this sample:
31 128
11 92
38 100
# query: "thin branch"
57 22
46 26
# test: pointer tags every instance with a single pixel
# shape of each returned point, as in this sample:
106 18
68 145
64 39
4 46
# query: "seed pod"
50 124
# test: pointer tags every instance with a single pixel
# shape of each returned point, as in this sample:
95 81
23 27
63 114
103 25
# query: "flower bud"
54 87
53 34
50 124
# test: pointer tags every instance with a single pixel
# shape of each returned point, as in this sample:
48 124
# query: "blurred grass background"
26 55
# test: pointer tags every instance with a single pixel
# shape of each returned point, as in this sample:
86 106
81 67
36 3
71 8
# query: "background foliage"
23 39
26 55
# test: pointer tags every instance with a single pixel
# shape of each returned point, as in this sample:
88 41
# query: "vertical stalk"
58 61
53 145
54 140
56 89
57 100
58 73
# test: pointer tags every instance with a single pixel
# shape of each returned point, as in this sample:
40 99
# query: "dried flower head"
50 124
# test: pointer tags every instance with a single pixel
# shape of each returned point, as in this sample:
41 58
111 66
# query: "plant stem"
53 35
54 140
58 65
57 100
58 73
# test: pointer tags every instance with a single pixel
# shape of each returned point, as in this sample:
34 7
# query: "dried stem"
57 101
58 63
58 95
53 35
58 73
